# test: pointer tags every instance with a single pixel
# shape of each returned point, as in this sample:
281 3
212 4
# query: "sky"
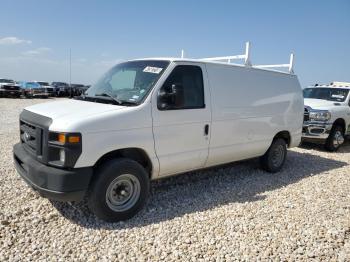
36 36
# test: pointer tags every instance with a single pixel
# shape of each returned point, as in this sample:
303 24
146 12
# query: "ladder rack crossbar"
247 62
272 66
245 56
219 58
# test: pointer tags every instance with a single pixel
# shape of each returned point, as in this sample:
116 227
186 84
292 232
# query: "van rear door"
181 125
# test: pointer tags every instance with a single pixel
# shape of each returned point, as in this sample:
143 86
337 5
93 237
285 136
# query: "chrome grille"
7 87
30 136
306 114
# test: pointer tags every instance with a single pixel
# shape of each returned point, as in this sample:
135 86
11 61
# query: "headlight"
320 115
64 148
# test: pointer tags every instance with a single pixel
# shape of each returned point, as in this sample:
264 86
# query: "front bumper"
10 92
50 182
316 130
37 93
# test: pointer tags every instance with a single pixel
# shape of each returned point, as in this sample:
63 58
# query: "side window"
183 89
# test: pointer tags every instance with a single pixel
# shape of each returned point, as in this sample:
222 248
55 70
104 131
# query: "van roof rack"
247 62
333 84
340 84
245 56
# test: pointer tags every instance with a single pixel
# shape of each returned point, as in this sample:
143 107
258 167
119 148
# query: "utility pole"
70 66
70 72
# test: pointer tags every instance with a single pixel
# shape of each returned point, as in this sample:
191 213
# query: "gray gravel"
235 212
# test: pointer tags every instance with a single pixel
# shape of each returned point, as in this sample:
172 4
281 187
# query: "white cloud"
12 40
38 51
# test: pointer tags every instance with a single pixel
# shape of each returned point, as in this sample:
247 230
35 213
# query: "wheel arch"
284 135
137 154
340 122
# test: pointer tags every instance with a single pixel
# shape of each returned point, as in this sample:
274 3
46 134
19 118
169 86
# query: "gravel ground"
237 212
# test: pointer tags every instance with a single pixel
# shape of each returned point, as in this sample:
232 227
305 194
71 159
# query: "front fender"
96 145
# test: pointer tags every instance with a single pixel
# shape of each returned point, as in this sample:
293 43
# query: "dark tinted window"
6 81
43 83
190 78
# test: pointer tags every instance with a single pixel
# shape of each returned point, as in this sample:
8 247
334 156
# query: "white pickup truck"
151 118
327 114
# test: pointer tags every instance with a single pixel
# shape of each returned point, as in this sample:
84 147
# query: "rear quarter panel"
249 107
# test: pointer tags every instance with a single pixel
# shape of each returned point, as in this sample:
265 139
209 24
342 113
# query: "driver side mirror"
171 97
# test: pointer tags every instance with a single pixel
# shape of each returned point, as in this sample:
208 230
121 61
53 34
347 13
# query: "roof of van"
331 85
193 60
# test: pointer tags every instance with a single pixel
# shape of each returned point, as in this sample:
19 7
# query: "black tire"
273 160
333 142
105 177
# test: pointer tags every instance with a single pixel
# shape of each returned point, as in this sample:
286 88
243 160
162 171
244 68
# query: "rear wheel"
273 160
119 191
335 139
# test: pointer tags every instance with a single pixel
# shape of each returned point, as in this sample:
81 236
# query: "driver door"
182 130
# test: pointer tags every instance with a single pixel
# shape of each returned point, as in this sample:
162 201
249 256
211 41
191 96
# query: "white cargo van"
151 118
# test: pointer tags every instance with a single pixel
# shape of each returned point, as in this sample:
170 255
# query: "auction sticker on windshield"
153 70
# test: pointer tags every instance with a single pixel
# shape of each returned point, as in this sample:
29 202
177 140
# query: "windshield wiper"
132 103
120 102
110 96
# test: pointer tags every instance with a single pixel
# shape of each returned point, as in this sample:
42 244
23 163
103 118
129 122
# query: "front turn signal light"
68 138
74 139
62 138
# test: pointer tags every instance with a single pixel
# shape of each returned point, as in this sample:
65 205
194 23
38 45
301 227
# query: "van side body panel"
249 107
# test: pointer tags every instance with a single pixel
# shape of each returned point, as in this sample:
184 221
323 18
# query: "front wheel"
272 161
335 139
119 191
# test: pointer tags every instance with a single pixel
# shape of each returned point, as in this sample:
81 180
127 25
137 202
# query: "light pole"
70 71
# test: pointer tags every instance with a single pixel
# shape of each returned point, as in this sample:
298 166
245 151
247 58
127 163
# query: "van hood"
76 109
320 103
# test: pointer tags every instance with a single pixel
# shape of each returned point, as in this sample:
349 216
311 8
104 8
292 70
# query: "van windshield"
128 82
331 94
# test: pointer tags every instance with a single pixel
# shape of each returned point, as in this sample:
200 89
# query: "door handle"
206 129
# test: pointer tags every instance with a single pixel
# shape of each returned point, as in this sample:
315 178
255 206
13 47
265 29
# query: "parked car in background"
9 88
327 114
78 89
48 88
61 88
33 89
151 118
